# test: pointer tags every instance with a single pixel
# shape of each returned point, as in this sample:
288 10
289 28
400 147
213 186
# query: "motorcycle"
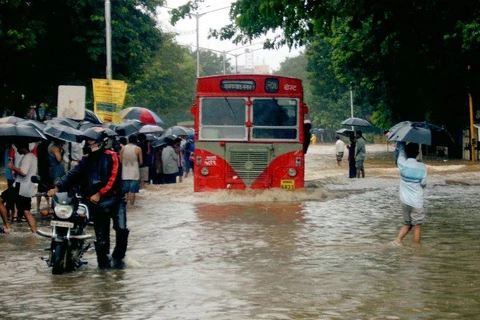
69 220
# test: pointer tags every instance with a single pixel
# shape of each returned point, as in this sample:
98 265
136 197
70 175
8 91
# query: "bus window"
275 119
223 118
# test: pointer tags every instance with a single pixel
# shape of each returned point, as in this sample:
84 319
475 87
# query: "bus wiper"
231 109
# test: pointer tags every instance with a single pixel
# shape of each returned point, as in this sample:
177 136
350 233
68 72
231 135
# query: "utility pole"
108 36
197 17
351 101
472 127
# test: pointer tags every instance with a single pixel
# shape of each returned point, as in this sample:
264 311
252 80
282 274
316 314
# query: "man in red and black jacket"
99 177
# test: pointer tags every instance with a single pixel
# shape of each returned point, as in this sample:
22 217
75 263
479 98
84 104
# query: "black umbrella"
64 133
90 116
34 123
356 122
64 121
10 119
420 132
345 132
110 132
128 127
87 125
14 132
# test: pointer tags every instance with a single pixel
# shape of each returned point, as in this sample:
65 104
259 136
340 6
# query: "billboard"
71 102
109 97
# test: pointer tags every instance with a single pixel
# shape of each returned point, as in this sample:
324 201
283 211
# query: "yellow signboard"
109 96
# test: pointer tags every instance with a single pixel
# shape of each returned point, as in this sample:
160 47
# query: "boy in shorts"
413 179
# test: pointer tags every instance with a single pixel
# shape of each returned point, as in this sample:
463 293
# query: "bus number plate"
287 184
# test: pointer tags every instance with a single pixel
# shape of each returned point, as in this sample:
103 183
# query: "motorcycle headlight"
63 211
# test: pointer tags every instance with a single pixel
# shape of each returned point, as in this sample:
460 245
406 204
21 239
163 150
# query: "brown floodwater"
325 252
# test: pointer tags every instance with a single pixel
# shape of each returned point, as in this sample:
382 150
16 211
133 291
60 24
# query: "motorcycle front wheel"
59 258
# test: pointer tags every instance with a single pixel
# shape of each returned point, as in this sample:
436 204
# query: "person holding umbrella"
360 153
413 179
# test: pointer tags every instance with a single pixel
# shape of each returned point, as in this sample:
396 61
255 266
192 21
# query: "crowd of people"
109 171
141 163
124 168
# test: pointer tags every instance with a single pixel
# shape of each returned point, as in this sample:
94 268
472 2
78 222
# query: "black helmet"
97 134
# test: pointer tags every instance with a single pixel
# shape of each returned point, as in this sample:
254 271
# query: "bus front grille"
249 164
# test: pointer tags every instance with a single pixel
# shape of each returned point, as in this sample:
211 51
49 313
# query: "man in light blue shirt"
413 179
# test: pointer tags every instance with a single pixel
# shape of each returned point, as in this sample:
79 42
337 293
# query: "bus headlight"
204 171
292 172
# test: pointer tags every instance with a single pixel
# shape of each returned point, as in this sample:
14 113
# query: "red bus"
249 132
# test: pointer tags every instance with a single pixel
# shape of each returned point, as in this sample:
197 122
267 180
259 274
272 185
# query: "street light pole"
197 17
236 55
108 35
351 101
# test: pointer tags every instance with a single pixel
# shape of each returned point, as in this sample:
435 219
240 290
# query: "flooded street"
325 252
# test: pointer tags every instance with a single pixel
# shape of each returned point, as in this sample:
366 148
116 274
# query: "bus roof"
249 84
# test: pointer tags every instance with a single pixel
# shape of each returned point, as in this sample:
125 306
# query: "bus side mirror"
193 110
305 109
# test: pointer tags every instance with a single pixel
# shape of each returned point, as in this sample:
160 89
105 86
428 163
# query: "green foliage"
47 43
406 60
211 63
167 85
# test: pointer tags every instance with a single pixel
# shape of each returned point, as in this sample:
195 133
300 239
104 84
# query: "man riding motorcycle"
98 175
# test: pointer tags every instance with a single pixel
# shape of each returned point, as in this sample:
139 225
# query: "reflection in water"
268 255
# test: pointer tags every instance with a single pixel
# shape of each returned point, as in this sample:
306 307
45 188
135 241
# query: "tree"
46 43
211 63
168 84
407 59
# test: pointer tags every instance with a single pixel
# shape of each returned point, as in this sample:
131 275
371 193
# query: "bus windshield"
275 119
223 118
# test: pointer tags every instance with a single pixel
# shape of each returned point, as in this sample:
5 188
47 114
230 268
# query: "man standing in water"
359 154
413 179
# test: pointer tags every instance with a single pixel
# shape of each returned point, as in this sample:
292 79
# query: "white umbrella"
178 131
150 128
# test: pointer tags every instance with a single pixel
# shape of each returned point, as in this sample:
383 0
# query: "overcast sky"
215 20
